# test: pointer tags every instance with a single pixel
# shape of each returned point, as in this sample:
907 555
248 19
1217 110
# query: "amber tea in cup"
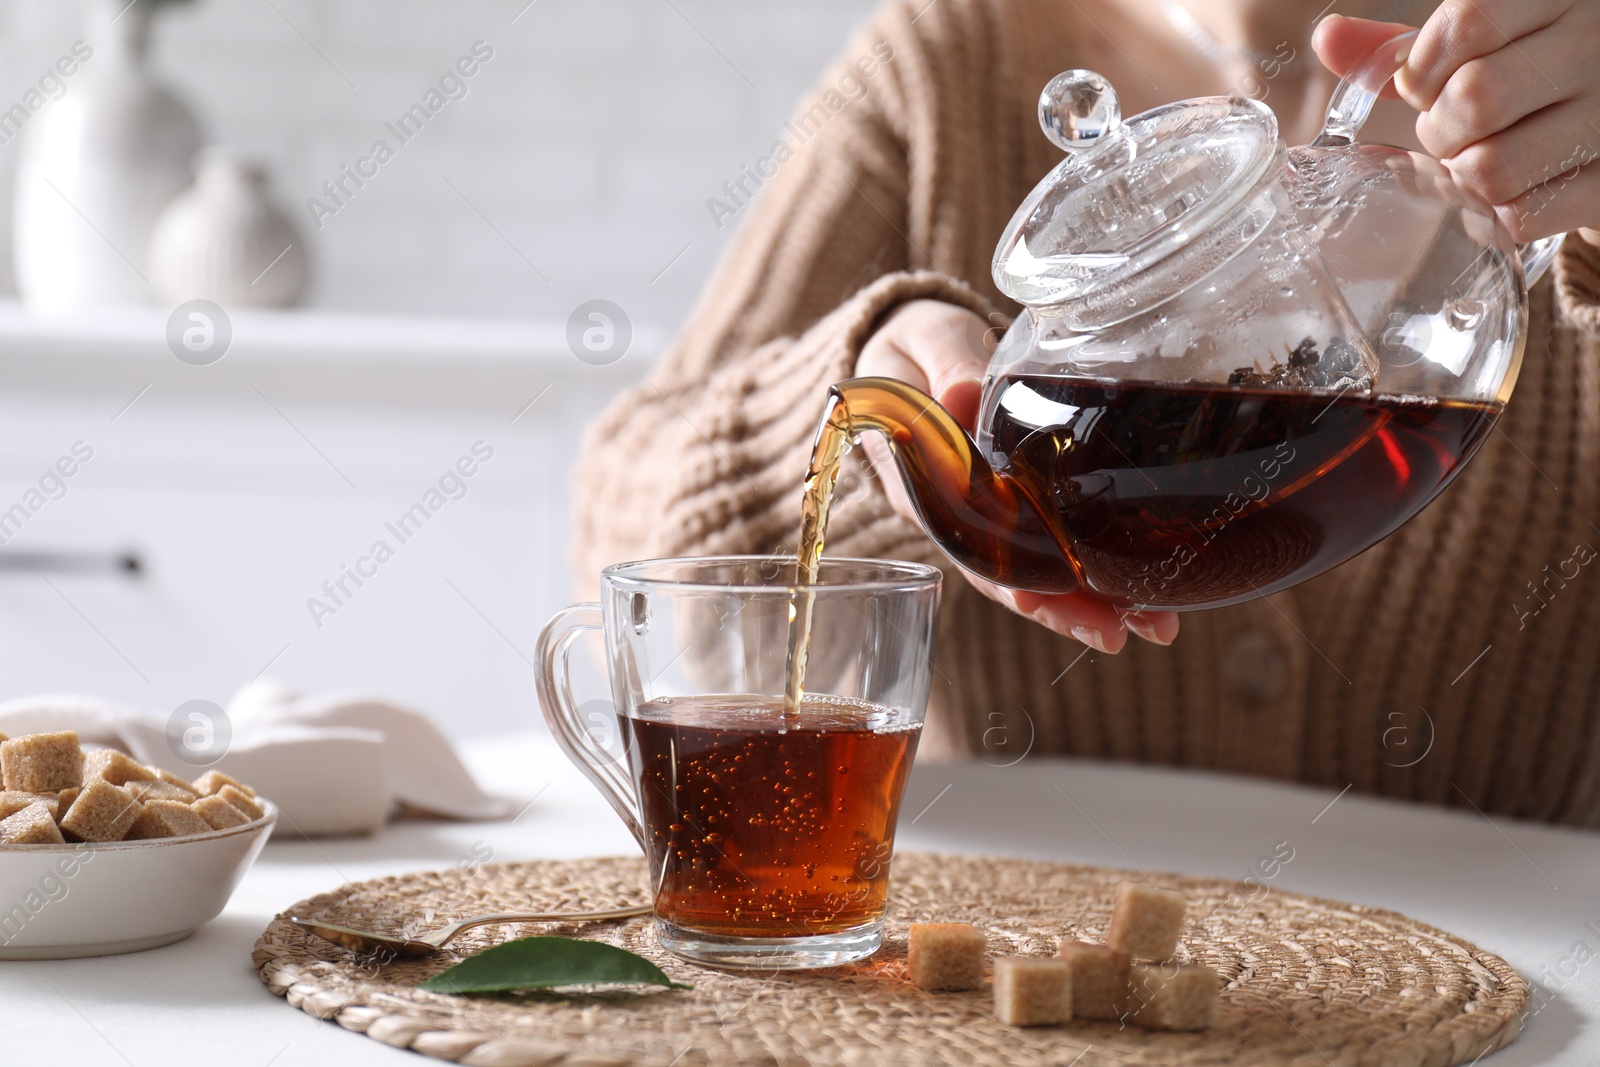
755 816
768 828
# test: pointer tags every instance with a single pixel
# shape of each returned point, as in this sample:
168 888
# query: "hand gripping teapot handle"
1351 105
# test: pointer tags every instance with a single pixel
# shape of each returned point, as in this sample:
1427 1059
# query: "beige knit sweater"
1413 671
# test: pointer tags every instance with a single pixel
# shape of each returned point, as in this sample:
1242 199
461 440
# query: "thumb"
945 346
1342 43
957 358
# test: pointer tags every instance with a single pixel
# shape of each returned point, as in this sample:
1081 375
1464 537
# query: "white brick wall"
590 141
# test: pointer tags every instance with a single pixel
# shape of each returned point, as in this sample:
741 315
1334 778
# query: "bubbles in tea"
767 823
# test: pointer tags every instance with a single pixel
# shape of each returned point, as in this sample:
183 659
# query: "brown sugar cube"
1145 921
243 801
11 803
102 812
14 801
116 767
49 800
1099 979
946 956
41 763
166 818
219 814
213 782
33 825
1171 997
172 779
64 800
144 792
1032 992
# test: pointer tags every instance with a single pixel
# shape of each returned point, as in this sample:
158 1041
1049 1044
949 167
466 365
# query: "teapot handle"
1351 105
1537 255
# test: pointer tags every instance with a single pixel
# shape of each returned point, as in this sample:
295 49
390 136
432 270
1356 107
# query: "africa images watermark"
1254 83
1252 492
452 485
342 188
52 886
52 86
1556 977
51 486
1581 556
1555 178
199 732
850 88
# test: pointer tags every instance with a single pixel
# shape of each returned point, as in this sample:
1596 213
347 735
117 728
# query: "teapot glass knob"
1079 110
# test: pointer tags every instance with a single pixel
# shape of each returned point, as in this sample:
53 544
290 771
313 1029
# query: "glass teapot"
1238 366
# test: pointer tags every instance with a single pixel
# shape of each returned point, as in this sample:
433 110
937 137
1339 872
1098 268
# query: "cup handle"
554 682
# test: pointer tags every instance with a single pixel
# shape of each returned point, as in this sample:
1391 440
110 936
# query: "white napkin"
335 764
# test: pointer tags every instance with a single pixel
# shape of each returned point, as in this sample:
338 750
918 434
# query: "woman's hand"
944 350
1509 95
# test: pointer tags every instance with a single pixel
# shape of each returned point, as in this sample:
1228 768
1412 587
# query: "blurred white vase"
223 240
96 168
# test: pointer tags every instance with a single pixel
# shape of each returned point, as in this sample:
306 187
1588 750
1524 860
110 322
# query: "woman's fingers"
1158 627
1491 93
1570 202
1078 617
1342 43
1503 166
1510 100
1096 624
1463 30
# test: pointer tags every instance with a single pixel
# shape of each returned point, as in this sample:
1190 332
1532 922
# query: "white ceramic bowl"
64 901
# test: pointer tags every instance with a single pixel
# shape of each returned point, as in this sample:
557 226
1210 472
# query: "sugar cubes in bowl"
100 854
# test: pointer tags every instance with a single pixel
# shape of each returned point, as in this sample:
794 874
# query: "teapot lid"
1129 193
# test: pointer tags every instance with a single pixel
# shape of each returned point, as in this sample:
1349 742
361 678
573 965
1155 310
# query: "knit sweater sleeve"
706 456
1577 271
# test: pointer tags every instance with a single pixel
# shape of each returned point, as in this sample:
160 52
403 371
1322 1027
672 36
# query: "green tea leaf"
547 963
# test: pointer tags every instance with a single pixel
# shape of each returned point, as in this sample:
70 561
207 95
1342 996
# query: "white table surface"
1526 892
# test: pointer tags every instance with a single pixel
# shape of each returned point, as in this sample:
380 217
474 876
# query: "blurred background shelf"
446 343
244 485
358 360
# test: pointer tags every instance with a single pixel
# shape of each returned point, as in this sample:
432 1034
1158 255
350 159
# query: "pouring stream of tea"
985 522
833 442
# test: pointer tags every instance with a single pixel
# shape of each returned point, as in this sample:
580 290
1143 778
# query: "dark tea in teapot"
1149 494
1174 496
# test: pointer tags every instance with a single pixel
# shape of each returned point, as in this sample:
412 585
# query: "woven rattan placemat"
1307 981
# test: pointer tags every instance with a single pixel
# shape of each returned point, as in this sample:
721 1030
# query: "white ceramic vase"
95 169
223 240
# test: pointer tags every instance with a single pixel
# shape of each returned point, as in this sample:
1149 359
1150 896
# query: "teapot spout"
982 519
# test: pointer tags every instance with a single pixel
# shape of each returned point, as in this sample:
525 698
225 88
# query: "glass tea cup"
768 834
